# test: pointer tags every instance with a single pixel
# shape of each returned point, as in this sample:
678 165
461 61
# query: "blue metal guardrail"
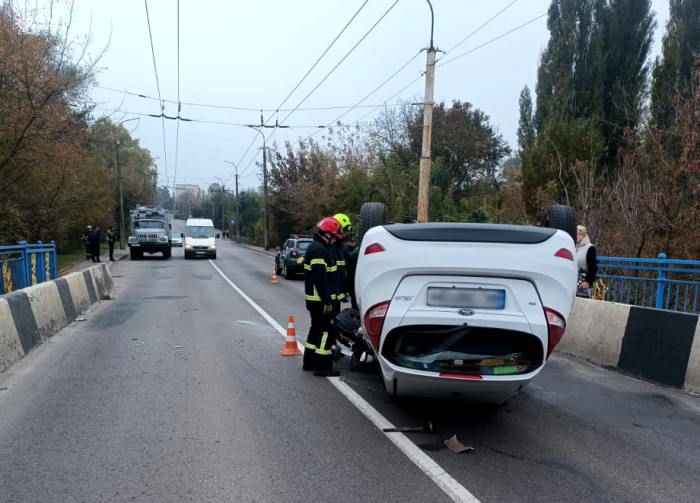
24 265
657 283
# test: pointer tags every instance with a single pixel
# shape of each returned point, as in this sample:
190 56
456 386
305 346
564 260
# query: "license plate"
135 244
475 298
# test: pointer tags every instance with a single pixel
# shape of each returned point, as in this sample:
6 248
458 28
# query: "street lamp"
223 204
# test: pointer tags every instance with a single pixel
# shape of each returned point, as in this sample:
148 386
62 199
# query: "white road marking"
456 491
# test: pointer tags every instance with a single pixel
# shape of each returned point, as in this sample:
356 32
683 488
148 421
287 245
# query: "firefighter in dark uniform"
318 290
111 238
94 242
338 250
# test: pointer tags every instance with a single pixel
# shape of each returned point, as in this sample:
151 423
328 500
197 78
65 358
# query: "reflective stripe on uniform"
341 296
319 261
320 350
332 269
315 297
333 296
309 346
340 262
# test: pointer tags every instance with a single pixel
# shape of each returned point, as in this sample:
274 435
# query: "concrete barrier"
10 347
31 315
655 345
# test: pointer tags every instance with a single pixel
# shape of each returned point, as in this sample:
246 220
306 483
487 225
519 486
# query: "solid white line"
456 491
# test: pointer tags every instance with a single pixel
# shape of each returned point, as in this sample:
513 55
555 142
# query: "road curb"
263 252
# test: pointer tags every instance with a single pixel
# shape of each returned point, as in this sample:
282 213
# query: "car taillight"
564 253
374 248
555 329
293 253
374 322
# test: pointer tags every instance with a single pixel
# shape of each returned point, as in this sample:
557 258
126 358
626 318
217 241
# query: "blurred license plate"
475 298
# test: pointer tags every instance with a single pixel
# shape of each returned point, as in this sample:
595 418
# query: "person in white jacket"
587 262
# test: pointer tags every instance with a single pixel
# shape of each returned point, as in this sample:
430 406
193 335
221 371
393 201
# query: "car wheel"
561 217
278 270
213 257
132 255
371 215
286 272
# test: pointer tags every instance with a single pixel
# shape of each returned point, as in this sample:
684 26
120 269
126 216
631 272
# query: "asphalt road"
176 391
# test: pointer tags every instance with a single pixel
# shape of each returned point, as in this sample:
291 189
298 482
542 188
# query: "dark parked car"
289 258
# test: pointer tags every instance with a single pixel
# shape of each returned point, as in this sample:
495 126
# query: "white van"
199 239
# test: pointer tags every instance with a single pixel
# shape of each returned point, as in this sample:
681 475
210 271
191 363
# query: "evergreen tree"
628 35
526 123
672 72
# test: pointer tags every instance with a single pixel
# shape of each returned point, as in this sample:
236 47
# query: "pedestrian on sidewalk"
587 263
94 241
85 239
111 238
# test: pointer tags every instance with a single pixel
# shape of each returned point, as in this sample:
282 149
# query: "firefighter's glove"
328 310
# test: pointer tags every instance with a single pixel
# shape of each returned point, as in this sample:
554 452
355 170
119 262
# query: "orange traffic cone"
274 277
290 347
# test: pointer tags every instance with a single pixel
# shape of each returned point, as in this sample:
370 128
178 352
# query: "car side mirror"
182 235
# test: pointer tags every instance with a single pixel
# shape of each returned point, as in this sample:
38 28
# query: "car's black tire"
132 255
213 257
561 217
287 273
278 269
167 254
371 215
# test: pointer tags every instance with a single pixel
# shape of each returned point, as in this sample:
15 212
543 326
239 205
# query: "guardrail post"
53 257
40 261
26 274
661 284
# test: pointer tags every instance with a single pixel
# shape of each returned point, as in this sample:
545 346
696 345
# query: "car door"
285 251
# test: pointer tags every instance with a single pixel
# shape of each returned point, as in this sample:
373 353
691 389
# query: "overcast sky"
252 53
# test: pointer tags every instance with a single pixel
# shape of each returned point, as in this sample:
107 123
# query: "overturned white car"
464 310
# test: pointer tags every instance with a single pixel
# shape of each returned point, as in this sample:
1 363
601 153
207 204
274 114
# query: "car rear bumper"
482 389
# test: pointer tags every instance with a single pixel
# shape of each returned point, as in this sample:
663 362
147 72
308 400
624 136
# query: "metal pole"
266 220
424 180
122 231
238 208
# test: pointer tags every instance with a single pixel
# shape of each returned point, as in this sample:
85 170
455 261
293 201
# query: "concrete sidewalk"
83 264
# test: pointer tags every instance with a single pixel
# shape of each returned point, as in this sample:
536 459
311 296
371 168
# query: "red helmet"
329 224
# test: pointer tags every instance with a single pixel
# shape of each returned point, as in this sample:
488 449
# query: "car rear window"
463 350
303 245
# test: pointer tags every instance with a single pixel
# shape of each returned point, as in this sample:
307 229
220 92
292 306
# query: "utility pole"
223 204
238 208
122 231
424 179
266 221
238 205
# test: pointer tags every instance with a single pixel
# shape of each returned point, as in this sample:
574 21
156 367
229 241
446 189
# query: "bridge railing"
660 283
25 264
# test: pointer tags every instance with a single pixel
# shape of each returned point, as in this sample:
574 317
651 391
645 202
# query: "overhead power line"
492 40
300 82
199 121
446 62
244 109
341 61
483 25
155 69
322 55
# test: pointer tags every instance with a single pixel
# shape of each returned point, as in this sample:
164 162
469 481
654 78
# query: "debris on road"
134 339
3 389
456 446
178 347
81 318
426 428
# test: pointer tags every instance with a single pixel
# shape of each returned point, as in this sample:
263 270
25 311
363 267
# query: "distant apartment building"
195 190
